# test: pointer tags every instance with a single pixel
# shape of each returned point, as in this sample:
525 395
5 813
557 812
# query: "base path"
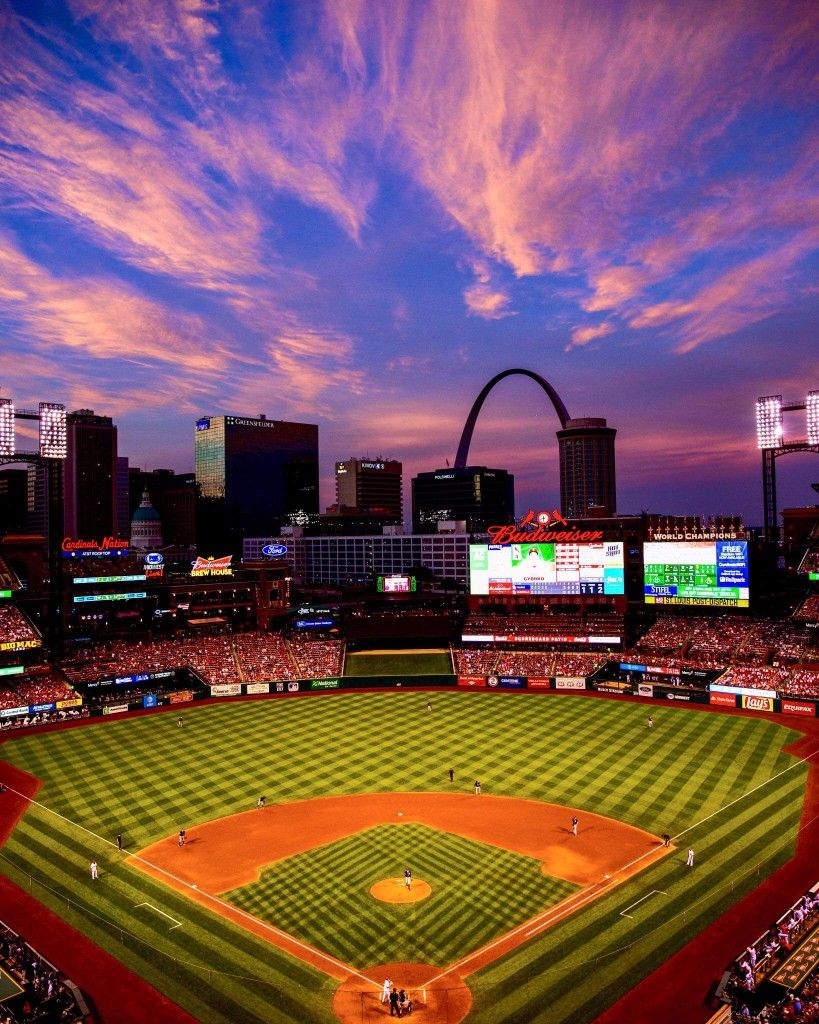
232 852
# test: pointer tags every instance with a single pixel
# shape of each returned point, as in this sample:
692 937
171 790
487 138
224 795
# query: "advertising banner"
226 690
725 700
149 700
540 683
512 682
325 684
20 645
757 703
74 702
570 682
257 688
115 709
472 681
687 696
644 690
614 686
11 712
797 707
180 697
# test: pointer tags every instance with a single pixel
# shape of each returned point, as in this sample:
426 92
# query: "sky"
357 213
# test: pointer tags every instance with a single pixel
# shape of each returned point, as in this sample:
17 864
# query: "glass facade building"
257 473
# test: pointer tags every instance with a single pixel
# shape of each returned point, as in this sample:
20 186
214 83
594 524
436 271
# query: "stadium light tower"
51 455
770 438
6 427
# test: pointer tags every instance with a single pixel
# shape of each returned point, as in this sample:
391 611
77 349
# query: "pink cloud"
583 335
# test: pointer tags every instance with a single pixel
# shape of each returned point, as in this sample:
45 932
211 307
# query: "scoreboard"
704 572
547 569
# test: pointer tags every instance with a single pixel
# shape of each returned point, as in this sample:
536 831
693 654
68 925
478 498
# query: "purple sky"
356 213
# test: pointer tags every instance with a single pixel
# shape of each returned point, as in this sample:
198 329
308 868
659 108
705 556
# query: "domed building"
146 526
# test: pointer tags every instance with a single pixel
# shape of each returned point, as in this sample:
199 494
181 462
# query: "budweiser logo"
212 566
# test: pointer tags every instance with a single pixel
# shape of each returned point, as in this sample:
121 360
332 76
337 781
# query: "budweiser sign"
541 534
212 566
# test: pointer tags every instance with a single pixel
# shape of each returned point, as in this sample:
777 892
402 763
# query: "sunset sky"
356 213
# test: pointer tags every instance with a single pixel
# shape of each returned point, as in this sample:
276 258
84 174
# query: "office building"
372 486
350 560
253 475
90 493
587 468
475 496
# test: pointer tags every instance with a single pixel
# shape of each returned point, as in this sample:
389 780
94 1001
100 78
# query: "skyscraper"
373 486
253 476
90 476
587 468
478 496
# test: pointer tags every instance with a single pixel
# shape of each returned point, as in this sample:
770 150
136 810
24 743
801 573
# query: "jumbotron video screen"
548 569
704 572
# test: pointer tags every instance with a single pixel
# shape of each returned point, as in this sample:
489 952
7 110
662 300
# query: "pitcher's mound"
394 890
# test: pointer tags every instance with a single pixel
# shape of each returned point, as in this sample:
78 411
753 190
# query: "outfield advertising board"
570 682
754 702
725 700
797 707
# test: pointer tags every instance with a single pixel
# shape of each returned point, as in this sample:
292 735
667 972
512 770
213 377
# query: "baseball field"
296 912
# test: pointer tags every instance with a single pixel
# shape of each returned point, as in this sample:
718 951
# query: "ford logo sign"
274 550
154 558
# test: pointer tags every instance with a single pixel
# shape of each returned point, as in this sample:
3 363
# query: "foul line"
535 924
178 924
653 892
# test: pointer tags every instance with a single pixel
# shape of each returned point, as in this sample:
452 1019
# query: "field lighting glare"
812 413
769 428
53 436
6 427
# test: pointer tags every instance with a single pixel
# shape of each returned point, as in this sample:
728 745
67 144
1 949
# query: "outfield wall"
190 688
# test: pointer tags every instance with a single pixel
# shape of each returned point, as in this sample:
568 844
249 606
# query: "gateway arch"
586 450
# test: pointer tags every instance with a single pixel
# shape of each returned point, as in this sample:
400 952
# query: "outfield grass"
719 783
398 663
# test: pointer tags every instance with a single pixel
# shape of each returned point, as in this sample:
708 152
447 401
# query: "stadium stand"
46 996
775 980
14 626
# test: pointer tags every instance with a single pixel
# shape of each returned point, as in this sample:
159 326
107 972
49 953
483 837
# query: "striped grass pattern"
719 783
323 897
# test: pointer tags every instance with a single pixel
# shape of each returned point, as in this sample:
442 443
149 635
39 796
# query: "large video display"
548 569
706 572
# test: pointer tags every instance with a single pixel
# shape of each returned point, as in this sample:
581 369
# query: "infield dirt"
230 852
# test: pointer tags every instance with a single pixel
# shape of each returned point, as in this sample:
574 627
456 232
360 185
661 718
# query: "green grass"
461 872
719 783
398 663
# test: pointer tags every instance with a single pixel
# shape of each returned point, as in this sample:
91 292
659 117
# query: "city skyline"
355 215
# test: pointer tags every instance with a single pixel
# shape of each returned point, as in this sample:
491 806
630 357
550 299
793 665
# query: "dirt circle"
437 997
394 890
